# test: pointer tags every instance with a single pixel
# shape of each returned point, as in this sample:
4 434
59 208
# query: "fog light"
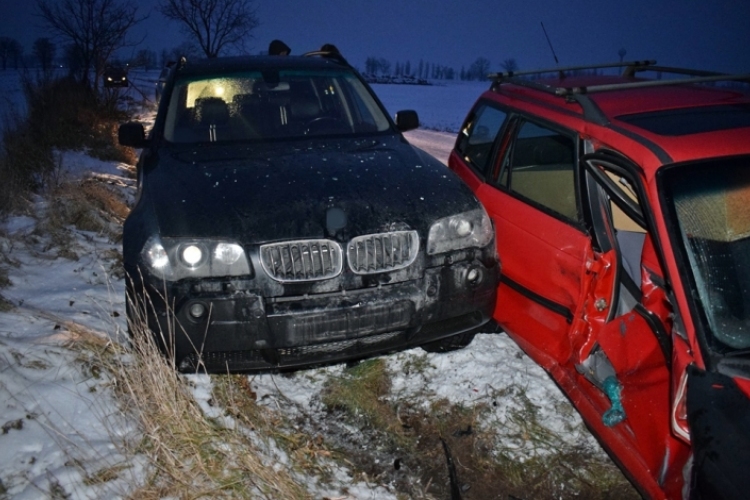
474 276
197 310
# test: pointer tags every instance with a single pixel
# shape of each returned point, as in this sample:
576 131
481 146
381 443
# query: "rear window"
691 120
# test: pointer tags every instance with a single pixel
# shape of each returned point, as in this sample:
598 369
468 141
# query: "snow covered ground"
60 421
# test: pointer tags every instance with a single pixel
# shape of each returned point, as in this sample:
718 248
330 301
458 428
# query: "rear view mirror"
132 134
407 120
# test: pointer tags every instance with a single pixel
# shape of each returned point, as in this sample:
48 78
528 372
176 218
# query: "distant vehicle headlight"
176 258
471 229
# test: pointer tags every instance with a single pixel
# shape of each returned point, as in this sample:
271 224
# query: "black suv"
282 220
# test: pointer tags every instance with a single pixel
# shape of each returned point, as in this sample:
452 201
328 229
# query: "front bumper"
241 330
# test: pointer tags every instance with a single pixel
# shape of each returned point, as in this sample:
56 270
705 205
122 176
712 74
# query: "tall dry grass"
192 454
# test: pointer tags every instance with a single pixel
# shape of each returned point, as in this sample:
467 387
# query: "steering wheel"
325 124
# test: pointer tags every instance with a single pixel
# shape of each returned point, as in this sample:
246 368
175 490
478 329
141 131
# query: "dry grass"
84 205
61 115
87 205
192 455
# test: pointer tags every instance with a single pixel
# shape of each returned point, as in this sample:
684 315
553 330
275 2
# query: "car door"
524 172
582 289
626 340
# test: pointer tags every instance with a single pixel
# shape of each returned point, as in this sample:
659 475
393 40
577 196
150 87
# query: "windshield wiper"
365 145
738 353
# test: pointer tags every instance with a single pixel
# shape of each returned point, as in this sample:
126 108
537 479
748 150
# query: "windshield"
258 105
712 207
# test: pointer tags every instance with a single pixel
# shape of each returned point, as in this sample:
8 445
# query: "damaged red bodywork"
600 286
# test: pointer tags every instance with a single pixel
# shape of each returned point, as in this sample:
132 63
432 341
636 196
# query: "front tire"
452 343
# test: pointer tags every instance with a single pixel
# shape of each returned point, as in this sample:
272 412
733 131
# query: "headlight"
156 257
175 259
228 253
467 230
192 255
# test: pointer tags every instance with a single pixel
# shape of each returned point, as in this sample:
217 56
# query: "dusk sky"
712 35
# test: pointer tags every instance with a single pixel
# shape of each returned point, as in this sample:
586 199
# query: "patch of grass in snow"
236 396
104 475
5 304
87 205
359 393
416 364
536 462
408 441
191 454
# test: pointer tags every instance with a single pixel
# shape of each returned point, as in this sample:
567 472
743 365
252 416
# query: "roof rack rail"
330 54
578 93
561 71
631 69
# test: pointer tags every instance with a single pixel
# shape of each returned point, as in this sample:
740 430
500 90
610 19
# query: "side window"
478 134
629 232
540 165
624 209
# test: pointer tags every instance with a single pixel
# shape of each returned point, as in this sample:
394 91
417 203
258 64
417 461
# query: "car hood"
332 189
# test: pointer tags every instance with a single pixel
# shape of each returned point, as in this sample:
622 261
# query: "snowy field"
60 421
441 107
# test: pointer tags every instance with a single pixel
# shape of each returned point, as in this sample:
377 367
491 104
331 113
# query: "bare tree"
509 65
10 49
186 48
479 69
213 24
44 50
95 29
145 58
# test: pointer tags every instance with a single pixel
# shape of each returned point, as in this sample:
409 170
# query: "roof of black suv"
238 63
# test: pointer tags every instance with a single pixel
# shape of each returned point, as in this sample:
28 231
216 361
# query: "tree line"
477 70
91 32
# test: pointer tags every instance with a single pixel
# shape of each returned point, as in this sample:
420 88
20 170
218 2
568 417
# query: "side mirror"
407 120
132 134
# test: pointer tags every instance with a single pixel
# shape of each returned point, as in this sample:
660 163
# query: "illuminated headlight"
192 255
156 257
471 229
175 259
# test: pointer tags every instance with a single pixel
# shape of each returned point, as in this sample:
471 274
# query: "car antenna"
550 44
